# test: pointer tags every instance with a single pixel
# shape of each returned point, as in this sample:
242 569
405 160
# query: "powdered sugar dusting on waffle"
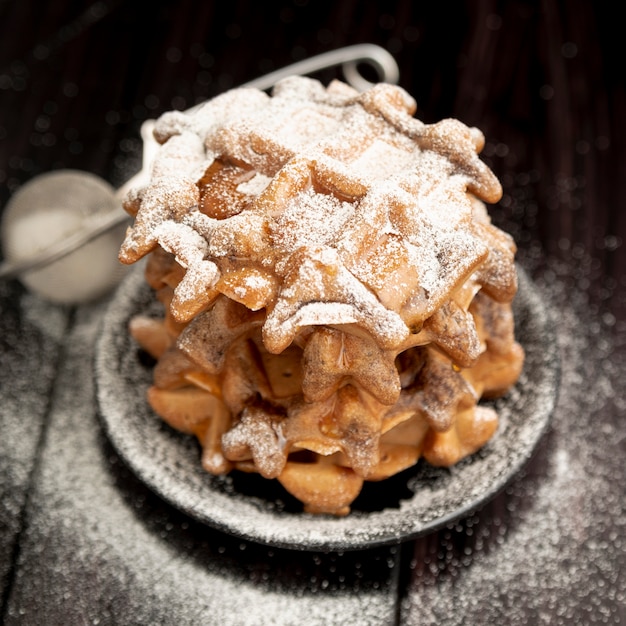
312 170
310 219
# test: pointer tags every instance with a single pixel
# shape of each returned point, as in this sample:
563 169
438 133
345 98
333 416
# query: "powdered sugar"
334 170
255 185
560 528
310 220
30 344
99 548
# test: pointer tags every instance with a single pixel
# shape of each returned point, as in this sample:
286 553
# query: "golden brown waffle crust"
336 298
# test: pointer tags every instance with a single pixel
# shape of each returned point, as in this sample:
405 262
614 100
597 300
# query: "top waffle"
324 207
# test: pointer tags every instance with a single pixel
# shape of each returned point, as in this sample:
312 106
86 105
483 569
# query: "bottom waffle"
317 417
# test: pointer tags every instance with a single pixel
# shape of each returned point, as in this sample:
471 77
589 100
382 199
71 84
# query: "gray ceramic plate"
413 503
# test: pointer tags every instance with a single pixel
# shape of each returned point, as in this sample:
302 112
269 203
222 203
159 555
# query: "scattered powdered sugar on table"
101 549
30 340
554 552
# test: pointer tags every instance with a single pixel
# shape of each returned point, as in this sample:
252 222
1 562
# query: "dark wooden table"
82 541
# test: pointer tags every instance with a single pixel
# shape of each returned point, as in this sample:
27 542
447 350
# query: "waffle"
336 300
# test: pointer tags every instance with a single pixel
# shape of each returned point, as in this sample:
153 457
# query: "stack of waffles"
336 300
